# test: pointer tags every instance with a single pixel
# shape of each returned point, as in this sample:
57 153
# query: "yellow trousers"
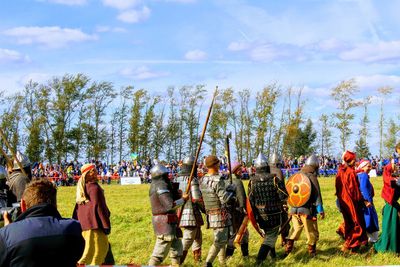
310 227
96 247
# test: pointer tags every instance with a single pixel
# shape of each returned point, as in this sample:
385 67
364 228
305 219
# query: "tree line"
74 117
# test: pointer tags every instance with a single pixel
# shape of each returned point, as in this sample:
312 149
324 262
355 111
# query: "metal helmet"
23 159
187 165
158 171
261 161
3 173
189 160
275 159
312 161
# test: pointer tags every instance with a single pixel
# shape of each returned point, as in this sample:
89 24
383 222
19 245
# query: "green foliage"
362 148
343 94
390 138
326 135
132 236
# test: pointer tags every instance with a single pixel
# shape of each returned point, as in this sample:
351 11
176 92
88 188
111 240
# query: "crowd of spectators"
68 172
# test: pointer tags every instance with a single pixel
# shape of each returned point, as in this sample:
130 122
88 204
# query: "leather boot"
197 255
289 246
229 252
245 249
312 250
183 257
262 254
208 264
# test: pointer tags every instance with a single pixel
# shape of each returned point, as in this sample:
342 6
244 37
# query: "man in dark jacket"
39 236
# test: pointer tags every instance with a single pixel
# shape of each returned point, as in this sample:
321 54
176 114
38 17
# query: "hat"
363 163
235 166
80 186
211 161
348 156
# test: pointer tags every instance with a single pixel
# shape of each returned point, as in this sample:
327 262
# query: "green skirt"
389 241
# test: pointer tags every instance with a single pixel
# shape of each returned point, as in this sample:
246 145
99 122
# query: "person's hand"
185 196
322 215
6 218
368 204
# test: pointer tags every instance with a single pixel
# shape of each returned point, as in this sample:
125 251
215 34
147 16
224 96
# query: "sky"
154 44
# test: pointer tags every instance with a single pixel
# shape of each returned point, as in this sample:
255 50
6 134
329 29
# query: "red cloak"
351 205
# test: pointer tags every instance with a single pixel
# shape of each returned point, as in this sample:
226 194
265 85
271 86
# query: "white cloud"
110 29
377 52
66 2
134 16
142 73
121 4
9 56
196 55
238 46
373 82
52 37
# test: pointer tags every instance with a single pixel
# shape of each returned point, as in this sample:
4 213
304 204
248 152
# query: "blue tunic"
367 191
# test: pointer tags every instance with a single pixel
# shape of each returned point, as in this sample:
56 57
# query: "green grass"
132 236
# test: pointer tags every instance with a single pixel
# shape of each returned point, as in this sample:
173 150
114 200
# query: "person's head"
398 148
212 163
38 192
349 158
237 168
89 173
365 166
261 163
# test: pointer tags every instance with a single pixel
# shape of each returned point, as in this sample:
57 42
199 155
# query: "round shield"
299 189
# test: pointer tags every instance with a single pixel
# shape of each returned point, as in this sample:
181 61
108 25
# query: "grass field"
132 236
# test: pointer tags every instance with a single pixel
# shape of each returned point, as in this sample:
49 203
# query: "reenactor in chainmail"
238 210
267 194
17 180
305 216
275 165
216 195
164 202
191 219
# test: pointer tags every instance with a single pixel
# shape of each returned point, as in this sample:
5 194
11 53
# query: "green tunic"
389 241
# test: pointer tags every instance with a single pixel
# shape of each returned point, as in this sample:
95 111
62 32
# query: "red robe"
351 206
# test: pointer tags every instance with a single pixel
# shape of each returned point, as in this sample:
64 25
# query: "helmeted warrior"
163 205
17 180
238 210
304 215
267 195
191 219
275 165
216 195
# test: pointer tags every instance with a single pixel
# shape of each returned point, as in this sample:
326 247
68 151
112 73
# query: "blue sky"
244 44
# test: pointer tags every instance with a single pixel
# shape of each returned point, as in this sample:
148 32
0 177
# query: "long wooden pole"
228 152
12 153
194 167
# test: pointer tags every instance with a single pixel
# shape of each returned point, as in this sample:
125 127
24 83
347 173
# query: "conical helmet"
23 159
261 161
312 161
158 171
187 165
275 159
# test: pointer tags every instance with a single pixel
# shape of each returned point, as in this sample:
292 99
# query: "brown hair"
397 146
38 192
